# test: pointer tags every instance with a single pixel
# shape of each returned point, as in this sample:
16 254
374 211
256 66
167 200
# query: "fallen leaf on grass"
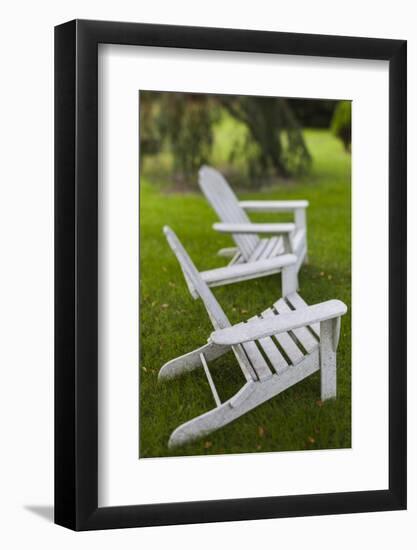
319 403
261 431
207 444
164 306
311 439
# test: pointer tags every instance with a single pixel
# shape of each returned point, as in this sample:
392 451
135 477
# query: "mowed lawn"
173 323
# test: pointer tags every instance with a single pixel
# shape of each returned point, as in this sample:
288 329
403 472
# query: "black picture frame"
76 272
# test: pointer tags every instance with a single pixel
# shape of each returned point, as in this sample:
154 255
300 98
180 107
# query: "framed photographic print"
230 251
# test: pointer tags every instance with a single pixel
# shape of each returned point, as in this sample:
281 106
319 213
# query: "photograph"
208 334
245 274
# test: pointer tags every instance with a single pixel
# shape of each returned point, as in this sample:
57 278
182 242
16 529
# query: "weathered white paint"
191 361
273 206
328 359
210 380
287 237
254 228
226 205
309 315
302 334
289 347
243 272
274 351
297 302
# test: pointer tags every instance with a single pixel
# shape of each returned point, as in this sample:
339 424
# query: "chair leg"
191 361
300 219
328 345
301 253
305 248
289 280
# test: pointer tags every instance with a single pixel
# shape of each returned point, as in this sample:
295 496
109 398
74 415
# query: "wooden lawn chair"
286 245
275 350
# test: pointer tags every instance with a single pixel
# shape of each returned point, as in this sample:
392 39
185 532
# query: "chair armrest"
254 330
249 228
273 206
248 270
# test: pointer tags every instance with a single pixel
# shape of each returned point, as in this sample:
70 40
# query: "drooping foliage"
313 113
342 123
183 124
275 141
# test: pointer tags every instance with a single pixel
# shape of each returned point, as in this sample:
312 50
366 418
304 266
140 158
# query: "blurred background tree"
342 123
273 128
186 122
150 138
313 113
259 138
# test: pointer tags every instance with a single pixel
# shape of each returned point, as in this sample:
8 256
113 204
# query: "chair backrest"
221 197
194 279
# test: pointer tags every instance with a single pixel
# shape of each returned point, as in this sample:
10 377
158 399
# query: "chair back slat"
195 281
223 200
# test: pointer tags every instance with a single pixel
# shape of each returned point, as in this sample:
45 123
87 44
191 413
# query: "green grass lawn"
172 323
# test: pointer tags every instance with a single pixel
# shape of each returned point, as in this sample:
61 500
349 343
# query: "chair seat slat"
303 335
298 302
286 342
273 354
257 253
272 242
278 249
257 361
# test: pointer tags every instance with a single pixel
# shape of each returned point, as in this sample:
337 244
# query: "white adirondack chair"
275 350
262 256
